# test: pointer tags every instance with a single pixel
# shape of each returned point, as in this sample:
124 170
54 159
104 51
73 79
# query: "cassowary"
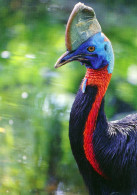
106 152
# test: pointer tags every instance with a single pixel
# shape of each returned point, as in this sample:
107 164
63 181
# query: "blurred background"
35 99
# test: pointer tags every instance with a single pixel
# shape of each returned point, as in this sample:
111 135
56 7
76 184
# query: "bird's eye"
91 48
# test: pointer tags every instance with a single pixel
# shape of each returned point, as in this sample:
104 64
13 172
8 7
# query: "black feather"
115 147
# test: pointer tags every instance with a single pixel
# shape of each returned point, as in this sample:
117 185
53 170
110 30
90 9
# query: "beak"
68 56
64 59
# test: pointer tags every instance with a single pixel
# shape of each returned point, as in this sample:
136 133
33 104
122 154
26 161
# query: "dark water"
35 99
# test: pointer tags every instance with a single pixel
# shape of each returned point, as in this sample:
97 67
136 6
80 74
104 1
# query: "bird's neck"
87 119
99 78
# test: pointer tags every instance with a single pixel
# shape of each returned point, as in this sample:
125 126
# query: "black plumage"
115 147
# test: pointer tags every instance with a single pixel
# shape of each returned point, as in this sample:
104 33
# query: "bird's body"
111 145
106 152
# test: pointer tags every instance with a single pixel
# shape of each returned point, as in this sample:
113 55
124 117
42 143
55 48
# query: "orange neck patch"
101 79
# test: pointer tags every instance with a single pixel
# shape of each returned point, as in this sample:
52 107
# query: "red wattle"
101 79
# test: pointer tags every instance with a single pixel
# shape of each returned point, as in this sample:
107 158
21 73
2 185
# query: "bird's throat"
99 78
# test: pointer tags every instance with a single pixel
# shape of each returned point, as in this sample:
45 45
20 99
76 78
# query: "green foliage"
35 99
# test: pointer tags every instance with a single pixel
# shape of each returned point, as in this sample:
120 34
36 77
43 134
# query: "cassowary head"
85 42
